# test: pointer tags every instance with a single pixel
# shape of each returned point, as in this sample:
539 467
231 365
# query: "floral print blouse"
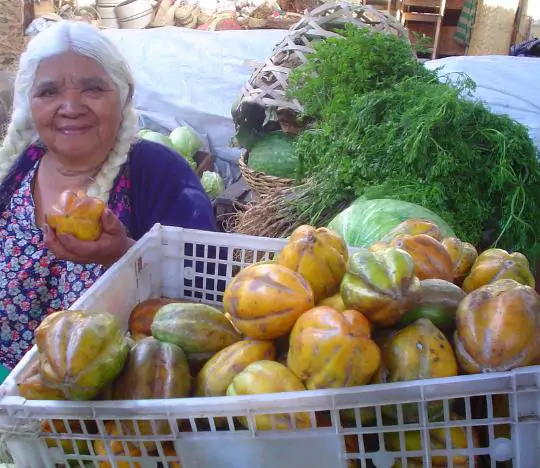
33 283
156 185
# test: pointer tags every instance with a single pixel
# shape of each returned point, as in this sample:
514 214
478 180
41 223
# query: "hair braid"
19 135
105 178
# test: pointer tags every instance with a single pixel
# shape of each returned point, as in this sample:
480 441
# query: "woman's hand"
109 248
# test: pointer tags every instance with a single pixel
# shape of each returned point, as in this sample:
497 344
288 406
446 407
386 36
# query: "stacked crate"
436 19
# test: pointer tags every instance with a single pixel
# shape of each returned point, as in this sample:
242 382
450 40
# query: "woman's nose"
72 105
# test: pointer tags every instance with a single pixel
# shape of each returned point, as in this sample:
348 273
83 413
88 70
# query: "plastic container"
108 3
502 409
107 18
134 14
107 14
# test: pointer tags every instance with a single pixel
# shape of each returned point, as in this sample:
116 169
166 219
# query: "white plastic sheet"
508 85
192 77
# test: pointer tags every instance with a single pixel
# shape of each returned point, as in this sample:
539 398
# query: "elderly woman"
74 127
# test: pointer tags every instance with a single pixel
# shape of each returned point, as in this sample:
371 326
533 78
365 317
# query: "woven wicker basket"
260 183
268 83
12 41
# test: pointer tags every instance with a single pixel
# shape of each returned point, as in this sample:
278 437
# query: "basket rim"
243 163
269 91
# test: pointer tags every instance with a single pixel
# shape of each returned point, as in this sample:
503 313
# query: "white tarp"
508 85
194 77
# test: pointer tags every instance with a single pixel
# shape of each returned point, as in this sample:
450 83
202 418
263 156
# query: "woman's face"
76 108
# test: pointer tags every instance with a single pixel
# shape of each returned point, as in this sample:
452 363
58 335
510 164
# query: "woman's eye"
47 93
94 89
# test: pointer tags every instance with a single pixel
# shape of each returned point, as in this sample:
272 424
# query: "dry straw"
11 32
6 96
493 27
271 216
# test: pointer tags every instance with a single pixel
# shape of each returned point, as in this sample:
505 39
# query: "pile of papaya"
413 306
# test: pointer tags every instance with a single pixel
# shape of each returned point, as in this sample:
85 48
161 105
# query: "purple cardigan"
163 189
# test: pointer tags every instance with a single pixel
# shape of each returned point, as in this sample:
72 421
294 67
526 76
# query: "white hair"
86 40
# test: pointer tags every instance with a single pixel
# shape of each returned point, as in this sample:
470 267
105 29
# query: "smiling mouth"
73 130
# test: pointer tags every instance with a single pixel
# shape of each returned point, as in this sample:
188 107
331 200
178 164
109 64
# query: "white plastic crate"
182 263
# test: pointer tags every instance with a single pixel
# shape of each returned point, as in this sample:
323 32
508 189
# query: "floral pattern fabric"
33 283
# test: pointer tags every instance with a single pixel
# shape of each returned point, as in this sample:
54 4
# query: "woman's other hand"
109 248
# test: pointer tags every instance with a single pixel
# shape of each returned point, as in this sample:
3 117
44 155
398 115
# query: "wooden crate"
454 4
447 45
